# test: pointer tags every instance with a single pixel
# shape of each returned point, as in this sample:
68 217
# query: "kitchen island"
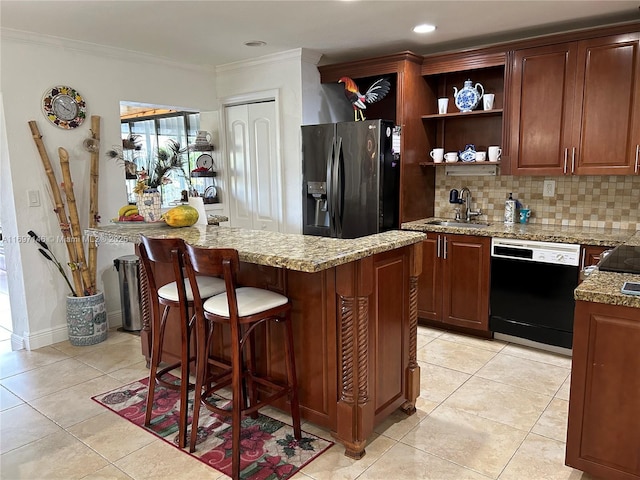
354 316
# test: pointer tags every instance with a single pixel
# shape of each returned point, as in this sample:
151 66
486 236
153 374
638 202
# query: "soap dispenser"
510 210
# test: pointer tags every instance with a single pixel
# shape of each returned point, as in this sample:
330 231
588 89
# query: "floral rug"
269 449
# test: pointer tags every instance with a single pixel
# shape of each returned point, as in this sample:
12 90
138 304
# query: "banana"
127 210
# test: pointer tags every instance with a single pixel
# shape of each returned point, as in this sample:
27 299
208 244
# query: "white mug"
494 153
437 154
443 105
451 157
203 137
481 156
487 101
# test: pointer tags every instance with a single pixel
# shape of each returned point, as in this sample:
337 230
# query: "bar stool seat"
175 294
242 310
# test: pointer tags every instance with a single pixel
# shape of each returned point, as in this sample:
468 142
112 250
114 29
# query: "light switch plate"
549 188
34 198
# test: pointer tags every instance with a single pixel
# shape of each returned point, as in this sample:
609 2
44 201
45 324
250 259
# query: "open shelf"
495 111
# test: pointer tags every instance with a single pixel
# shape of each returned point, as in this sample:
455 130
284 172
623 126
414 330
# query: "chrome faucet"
465 198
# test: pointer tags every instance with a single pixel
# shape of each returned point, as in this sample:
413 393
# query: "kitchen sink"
446 223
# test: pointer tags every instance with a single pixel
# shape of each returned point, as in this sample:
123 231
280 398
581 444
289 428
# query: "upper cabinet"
575 108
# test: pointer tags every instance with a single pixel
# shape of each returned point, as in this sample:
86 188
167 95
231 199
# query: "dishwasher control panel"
534 251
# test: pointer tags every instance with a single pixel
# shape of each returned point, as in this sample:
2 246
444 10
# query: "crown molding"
30 38
302 54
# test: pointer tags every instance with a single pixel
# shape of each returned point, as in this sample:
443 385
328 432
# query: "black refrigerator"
351 179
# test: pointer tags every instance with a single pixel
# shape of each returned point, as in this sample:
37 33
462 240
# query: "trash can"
128 268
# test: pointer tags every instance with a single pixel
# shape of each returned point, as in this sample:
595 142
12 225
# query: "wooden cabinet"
454 130
591 255
575 108
603 436
453 289
406 102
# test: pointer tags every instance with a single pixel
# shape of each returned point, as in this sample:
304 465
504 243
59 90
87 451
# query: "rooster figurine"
377 91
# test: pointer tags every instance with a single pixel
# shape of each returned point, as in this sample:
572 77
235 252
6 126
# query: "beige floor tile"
563 392
398 424
485 343
437 383
57 456
22 425
111 436
553 422
167 462
429 331
426 406
537 355
133 372
422 340
50 379
113 337
524 373
13 363
503 403
108 473
8 399
454 355
468 440
112 357
73 405
542 457
405 462
334 465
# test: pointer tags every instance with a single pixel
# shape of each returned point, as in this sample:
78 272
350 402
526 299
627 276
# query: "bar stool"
175 294
242 309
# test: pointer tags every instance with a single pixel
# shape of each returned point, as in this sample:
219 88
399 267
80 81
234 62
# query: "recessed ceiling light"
424 28
255 43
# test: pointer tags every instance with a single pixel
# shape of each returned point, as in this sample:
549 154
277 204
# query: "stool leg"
292 378
202 349
184 376
251 370
156 348
236 414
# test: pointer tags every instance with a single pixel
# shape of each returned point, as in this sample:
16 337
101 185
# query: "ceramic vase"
149 205
86 319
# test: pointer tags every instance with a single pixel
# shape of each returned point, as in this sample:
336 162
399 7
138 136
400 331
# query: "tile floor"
488 410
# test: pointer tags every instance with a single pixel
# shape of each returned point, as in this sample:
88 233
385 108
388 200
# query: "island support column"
413 369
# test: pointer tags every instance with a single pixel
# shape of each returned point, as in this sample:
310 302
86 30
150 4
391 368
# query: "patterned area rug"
269 449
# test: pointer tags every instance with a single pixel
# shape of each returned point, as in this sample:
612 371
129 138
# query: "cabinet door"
603 435
466 281
591 254
430 280
607 130
542 96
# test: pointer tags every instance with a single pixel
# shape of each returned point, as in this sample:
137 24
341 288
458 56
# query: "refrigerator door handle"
337 194
330 200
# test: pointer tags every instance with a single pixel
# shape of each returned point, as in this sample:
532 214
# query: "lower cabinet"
603 436
453 289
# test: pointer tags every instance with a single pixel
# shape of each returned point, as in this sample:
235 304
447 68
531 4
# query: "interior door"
254 183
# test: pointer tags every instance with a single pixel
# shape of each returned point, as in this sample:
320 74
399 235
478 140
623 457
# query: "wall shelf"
442 116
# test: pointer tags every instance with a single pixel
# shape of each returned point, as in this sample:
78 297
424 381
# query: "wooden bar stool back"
176 294
242 309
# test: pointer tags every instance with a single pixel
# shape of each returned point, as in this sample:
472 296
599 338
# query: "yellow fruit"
127 210
181 216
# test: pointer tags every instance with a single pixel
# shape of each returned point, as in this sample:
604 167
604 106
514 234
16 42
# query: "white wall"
282 72
30 65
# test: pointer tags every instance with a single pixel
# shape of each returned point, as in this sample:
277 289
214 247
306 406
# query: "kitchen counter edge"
305 253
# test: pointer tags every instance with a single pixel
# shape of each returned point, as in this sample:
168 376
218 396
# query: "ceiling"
211 32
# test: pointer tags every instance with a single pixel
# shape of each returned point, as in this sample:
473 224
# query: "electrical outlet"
34 198
549 188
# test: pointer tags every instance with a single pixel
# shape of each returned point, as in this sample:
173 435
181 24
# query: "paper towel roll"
198 204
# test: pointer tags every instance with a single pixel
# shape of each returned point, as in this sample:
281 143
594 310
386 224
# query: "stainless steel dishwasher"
532 286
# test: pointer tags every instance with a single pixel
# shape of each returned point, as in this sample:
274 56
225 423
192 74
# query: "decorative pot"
149 205
86 319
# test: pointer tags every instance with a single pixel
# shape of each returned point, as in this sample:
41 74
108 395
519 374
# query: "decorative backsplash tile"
585 201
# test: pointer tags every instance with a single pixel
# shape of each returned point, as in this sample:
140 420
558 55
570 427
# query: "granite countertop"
305 253
216 219
599 287
606 237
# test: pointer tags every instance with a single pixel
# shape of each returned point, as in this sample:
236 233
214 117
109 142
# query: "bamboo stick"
59 206
93 200
74 219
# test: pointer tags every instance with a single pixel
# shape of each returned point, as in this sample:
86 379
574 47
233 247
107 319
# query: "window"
153 133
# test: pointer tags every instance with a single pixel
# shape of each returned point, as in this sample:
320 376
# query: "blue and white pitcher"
468 97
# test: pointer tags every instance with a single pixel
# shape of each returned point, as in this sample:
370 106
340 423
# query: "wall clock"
64 107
